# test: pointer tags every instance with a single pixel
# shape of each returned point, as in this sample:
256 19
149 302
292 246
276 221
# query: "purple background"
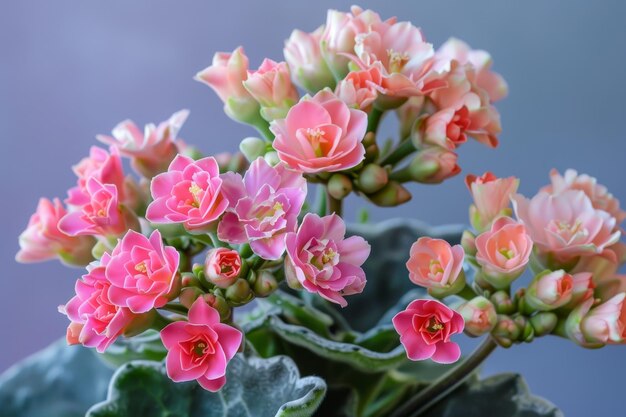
70 70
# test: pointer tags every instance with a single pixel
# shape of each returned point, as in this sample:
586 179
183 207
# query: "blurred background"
70 70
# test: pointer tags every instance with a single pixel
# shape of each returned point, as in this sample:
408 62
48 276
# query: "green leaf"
255 388
504 395
146 346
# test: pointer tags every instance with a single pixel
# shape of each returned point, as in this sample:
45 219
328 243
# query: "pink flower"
264 205
425 328
434 165
320 134
226 76
503 252
360 89
594 327
491 82
271 86
550 290
200 348
566 224
101 165
304 57
321 260
447 128
479 315
599 195
151 150
582 288
143 273
491 198
222 266
436 265
95 320
43 240
190 192
102 215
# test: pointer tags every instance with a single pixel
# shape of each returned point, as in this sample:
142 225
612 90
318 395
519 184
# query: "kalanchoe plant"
174 253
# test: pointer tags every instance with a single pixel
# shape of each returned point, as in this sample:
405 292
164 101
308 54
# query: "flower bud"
222 266
272 158
265 284
239 293
433 165
468 242
219 303
252 148
549 290
503 303
543 323
140 323
372 178
391 195
188 295
527 333
573 328
339 186
582 289
594 327
479 315
506 331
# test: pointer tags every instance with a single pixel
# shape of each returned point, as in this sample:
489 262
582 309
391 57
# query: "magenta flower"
190 192
425 328
143 273
264 205
320 134
43 240
321 260
95 320
151 150
200 348
102 215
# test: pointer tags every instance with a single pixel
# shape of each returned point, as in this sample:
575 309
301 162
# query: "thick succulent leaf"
146 346
503 395
387 277
59 381
255 388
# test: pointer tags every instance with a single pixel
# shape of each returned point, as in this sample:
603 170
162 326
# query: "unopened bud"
393 194
549 290
272 158
219 303
433 165
372 178
503 303
188 295
527 333
339 186
140 323
239 293
468 242
543 323
252 148
479 315
265 284
506 331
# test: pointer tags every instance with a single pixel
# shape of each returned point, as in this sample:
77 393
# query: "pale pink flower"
226 76
322 260
550 290
582 288
43 240
95 320
485 78
425 328
200 348
222 266
105 167
304 57
190 192
320 134
360 89
566 224
599 195
504 251
479 315
492 197
152 150
102 215
436 265
600 325
434 165
143 272
264 205
271 86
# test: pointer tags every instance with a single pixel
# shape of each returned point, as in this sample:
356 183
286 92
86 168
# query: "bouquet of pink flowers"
225 270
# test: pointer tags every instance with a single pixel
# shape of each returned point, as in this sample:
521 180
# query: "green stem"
404 149
264 129
467 293
402 175
160 322
333 205
320 201
373 119
447 383
206 239
175 308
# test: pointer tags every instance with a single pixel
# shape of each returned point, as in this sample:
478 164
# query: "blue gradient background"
70 70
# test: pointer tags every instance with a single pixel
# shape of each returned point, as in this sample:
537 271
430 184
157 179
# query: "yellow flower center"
195 191
141 267
397 60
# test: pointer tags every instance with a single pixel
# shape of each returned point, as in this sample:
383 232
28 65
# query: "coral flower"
222 266
200 348
435 264
492 197
425 328
320 134
271 86
322 260
188 193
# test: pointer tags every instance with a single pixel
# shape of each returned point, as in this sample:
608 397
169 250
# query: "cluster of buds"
567 236
354 69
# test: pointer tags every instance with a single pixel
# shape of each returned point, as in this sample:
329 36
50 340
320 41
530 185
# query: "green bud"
272 158
372 178
527 333
468 243
140 323
506 331
219 303
339 186
252 148
393 194
239 293
265 284
543 323
188 295
503 303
